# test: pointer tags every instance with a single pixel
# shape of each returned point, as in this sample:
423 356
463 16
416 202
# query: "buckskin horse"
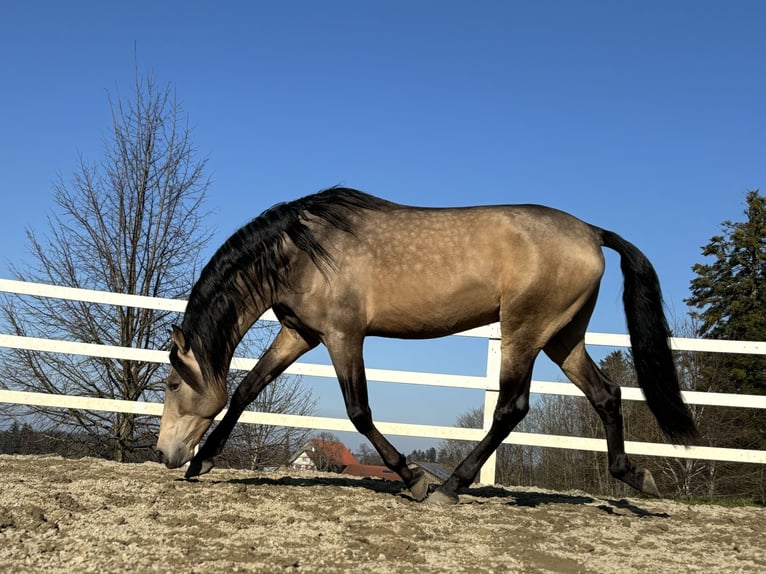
341 265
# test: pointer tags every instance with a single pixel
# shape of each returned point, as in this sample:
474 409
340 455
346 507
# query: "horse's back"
492 240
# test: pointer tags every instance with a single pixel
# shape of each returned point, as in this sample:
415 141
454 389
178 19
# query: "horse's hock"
91 515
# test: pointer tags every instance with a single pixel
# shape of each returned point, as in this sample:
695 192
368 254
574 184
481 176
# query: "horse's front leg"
283 351
346 355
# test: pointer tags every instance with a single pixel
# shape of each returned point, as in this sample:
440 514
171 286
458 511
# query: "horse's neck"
253 306
247 315
246 319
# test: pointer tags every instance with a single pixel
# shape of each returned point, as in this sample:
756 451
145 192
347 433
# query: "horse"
340 265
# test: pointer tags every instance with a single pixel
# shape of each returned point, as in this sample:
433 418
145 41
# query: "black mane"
251 264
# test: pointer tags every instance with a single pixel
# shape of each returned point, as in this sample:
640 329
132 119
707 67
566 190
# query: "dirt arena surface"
91 515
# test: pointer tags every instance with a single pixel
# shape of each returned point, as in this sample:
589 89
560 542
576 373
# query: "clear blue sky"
647 118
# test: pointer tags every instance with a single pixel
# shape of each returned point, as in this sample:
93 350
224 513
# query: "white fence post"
488 471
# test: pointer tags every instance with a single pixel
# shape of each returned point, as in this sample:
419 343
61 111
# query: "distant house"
323 455
371 471
334 456
435 473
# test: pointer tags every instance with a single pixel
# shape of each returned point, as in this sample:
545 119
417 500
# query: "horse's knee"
521 405
361 418
246 392
241 395
512 413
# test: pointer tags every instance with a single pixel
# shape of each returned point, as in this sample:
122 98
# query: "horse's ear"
180 340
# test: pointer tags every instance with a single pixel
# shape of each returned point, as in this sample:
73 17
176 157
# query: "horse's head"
191 404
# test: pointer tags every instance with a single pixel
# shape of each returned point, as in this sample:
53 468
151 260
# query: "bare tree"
707 372
131 223
368 455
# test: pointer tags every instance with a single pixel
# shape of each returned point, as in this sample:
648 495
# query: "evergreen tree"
728 296
730 293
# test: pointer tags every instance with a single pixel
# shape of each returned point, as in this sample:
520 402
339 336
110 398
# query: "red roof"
371 471
338 454
335 451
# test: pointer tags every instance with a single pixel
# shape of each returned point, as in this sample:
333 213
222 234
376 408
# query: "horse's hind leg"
512 406
346 355
568 351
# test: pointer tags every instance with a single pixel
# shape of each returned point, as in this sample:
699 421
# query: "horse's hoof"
198 467
441 498
419 488
642 480
647 485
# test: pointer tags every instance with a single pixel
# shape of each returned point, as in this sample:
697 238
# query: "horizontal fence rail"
488 383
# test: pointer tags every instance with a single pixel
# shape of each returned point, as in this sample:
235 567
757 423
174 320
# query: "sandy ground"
90 515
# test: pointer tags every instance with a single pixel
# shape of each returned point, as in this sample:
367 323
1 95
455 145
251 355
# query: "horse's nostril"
161 456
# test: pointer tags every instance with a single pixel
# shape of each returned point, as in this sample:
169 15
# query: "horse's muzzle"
174 460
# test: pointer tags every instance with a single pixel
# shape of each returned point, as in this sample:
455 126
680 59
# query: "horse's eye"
172 386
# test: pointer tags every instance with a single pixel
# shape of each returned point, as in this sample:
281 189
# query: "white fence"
488 384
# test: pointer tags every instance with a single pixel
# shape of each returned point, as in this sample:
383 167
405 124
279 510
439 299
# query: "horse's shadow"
378 486
477 494
534 499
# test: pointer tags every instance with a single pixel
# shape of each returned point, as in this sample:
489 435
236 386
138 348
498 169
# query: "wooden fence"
487 383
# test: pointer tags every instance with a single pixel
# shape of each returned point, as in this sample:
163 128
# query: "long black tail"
648 329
